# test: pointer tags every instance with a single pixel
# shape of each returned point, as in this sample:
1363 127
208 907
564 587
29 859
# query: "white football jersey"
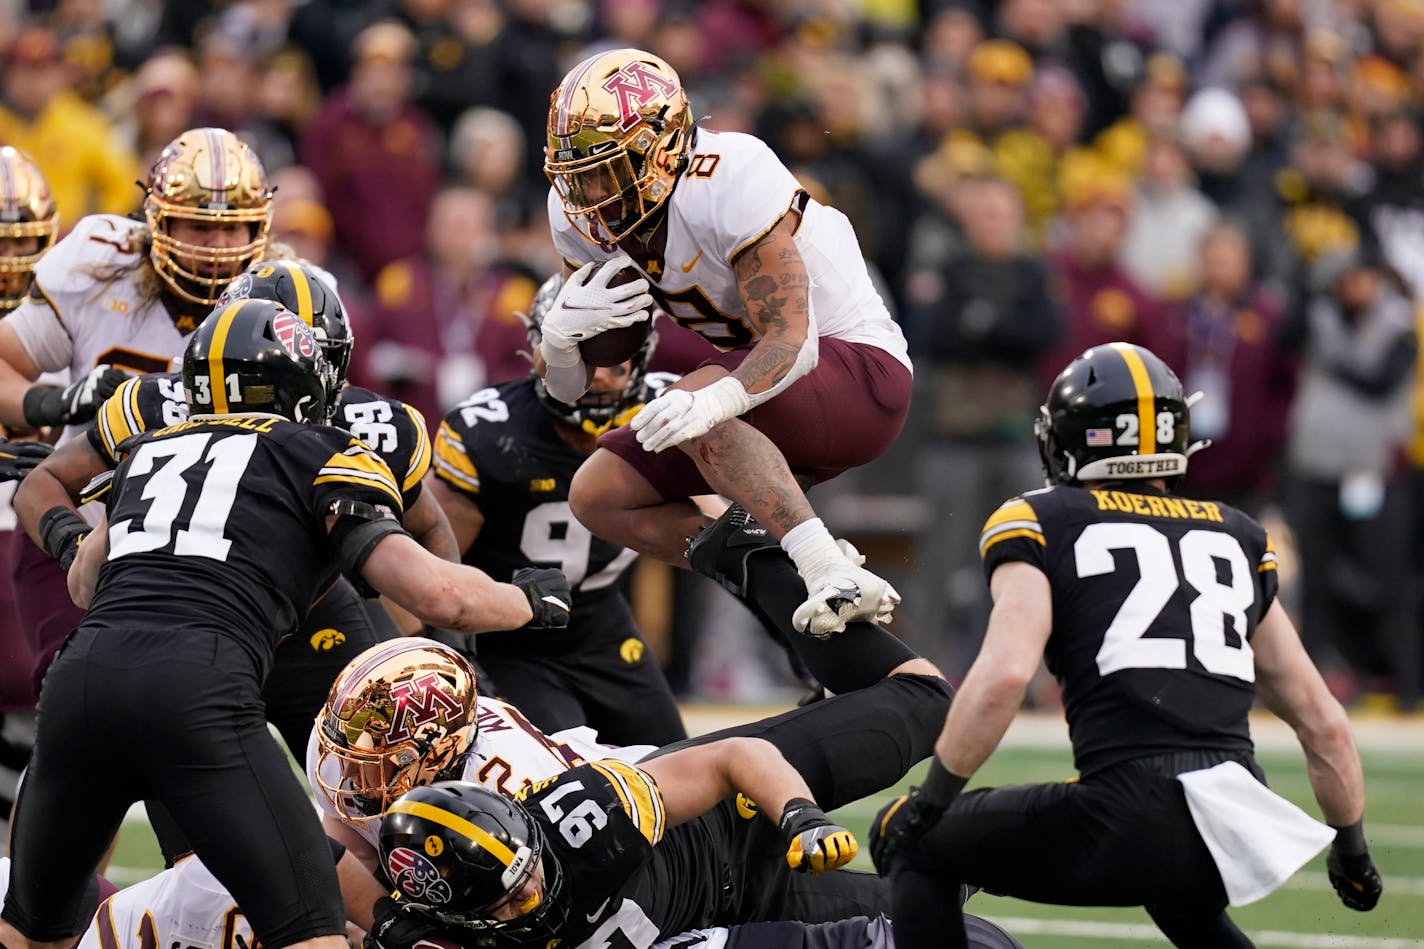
509 753
732 194
86 319
182 906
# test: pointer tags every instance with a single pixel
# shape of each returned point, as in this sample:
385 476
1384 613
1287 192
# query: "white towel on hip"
1257 838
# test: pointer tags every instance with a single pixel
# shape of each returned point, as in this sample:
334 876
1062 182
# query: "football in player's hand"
617 345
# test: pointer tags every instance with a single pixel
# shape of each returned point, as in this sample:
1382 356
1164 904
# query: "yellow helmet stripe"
487 841
215 356
1146 400
303 288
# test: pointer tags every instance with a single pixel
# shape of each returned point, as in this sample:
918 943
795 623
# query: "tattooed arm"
776 291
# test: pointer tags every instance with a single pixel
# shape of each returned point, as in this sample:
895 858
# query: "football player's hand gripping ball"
549 596
813 843
587 305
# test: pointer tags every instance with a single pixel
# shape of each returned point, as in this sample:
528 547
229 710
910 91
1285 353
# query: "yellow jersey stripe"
1010 535
303 288
451 462
642 801
1146 400
1015 510
420 457
216 384
1264 566
361 466
487 841
384 486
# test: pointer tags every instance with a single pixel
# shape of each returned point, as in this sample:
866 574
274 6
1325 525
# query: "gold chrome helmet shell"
206 175
619 131
400 715
26 210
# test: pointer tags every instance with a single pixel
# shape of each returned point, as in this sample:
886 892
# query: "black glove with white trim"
78 402
18 459
549 595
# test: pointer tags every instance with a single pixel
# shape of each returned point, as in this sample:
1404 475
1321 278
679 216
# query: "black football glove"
1351 870
549 596
401 926
907 818
76 403
813 843
61 532
18 459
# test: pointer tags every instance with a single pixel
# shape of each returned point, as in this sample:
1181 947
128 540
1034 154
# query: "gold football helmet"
620 128
400 715
28 218
208 176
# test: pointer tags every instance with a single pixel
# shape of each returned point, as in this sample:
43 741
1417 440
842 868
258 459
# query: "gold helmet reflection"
400 715
619 131
26 211
206 175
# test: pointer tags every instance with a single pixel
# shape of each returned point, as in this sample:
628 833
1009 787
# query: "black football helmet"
596 411
298 288
1116 412
256 356
459 850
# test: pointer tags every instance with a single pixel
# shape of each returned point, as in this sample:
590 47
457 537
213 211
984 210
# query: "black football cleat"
720 551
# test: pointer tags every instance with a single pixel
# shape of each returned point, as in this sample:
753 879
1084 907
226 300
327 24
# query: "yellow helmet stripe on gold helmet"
487 841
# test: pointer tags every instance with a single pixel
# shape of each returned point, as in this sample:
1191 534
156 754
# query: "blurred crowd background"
1236 184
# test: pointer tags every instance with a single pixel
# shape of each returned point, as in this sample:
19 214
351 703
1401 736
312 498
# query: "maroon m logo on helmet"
418 703
634 86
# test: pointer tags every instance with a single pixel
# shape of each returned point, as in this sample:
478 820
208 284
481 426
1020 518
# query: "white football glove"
678 415
847 594
587 306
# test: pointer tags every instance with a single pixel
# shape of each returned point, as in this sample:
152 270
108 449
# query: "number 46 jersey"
1155 601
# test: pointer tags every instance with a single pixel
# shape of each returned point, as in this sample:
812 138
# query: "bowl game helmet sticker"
416 876
294 335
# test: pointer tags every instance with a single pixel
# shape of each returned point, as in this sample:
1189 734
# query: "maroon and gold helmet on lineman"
400 715
28 224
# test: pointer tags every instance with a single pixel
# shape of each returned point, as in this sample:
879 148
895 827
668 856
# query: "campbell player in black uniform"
1158 616
221 531
504 459
338 627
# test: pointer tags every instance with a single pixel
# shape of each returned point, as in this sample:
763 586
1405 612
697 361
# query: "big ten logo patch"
631 650
418 703
327 639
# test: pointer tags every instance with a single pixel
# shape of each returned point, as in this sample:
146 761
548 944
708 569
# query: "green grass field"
1304 913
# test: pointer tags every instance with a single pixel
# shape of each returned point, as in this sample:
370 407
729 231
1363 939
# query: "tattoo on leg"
742 463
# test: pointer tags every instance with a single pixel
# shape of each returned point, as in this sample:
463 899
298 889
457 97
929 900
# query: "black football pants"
131 714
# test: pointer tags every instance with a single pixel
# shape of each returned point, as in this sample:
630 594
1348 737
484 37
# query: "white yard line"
1140 932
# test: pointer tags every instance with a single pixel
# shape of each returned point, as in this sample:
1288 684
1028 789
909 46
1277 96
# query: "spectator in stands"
1032 156
287 97
443 323
977 330
89 169
999 73
1169 218
1225 343
1102 303
1347 498
375 153
157 103
228 89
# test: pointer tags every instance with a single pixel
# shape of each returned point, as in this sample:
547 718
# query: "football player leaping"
813 378
1158 615
167 705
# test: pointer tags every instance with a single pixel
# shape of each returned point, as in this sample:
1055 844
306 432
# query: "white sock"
812 548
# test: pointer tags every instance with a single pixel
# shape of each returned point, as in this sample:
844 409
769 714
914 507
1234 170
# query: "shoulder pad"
1014 518
99 240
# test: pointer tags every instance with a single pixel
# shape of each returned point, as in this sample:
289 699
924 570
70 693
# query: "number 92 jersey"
1155 601
390 428
499 449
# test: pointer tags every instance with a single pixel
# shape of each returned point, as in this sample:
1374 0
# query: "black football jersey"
601 822
1155 601
392 429
500 449
220 524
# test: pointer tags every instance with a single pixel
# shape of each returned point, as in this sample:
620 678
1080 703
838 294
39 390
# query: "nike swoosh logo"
554 601
687 268
593 917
